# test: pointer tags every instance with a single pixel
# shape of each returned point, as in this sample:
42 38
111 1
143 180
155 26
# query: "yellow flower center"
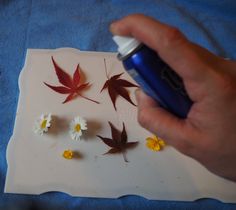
43 124
77 128
156 146
68 154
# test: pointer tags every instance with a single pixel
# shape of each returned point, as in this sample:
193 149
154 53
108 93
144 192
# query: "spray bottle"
153 75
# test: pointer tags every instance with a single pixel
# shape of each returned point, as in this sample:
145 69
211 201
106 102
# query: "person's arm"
208 134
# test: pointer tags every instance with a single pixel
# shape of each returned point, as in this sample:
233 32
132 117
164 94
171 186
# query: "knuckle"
227 84
134 17
172 37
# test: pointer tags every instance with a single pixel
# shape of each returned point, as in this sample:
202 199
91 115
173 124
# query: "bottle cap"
126 44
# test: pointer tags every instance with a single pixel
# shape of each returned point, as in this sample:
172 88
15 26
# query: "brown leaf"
71 87
113 95
125 83
69 98
124 93
117 76
76 76
130 145
108 141
112 151
115 134
83 86
105 86
123 136
62 76
59 89
118 142
117 87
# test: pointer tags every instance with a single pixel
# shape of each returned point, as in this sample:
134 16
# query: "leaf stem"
106 68
124 156
88 98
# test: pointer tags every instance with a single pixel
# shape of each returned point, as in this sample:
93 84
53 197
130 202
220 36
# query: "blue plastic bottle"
153 75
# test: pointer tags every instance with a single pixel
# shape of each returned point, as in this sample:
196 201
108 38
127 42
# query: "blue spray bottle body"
153 75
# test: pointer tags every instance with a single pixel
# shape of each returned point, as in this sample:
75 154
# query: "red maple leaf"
71 86
116 87
118 142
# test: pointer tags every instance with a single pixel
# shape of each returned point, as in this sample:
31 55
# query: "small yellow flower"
155 143
161 142
42 124
68 154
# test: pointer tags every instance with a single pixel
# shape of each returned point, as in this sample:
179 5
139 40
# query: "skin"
208 134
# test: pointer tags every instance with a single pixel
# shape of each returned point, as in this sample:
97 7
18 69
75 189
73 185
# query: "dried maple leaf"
117 86
71 86
118 142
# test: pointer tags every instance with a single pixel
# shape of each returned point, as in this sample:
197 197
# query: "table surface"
84 25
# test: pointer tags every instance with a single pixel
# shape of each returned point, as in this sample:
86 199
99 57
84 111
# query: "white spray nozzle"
125 44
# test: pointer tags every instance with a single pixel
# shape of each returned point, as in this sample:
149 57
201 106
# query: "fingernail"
113 27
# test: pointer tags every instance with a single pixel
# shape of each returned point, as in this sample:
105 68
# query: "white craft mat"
36 165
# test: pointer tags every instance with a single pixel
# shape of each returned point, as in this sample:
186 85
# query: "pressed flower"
77 126
155 143
68 154
161 142
42 124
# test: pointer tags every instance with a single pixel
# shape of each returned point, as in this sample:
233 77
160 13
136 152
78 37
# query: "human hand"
208 134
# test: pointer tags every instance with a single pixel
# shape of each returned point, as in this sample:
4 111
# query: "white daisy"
42 124
78 124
